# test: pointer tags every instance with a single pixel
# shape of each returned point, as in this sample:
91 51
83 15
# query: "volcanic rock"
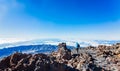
63 52
101 58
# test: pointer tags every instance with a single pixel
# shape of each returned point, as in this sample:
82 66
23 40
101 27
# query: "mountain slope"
47 45
29 49
83 43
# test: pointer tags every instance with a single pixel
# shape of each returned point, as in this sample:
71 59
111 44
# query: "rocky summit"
101 58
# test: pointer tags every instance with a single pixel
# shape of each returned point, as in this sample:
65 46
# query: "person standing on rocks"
77 47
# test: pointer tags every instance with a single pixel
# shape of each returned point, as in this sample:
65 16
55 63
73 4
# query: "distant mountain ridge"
83 43
29 49
47 45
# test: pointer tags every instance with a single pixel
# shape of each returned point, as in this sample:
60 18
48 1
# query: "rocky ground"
101 58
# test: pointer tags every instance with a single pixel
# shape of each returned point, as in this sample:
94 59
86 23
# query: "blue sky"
83 19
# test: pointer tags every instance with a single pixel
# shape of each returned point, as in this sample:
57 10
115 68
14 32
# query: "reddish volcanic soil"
101 58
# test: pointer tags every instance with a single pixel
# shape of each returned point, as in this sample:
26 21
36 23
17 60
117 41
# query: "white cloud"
10 40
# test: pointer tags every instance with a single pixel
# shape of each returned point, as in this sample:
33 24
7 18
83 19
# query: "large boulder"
101 58
63 51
